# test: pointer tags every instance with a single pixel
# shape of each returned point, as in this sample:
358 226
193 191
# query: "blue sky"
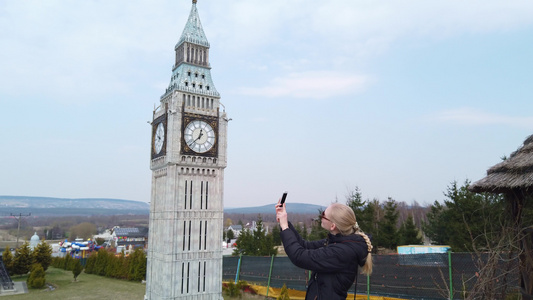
398 98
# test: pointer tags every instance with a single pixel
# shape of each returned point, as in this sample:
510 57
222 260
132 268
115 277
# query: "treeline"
108 264
465 221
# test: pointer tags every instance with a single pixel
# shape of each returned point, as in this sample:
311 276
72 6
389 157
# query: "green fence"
412 276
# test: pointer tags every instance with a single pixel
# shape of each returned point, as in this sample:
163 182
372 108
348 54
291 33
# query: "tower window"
186 83
203 76
200 86
207 87
194 85
196 75
189 73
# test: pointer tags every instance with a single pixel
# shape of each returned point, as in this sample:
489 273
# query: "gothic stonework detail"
188 158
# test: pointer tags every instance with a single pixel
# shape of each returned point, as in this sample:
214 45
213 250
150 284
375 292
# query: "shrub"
284 293
76 270
37 278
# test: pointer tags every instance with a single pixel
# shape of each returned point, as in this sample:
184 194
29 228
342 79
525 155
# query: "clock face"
199 136
159 138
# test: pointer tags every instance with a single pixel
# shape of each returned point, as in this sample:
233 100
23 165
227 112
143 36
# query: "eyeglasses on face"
323 216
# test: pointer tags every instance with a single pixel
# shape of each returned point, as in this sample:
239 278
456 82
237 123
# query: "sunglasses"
323 216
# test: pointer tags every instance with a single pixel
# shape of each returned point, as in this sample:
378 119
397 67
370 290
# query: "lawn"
89 287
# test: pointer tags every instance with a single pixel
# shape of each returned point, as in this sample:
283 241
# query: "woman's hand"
281 216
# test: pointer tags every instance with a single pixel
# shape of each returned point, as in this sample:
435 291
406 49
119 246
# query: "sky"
396 98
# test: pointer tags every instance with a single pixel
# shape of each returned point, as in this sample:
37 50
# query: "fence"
411 276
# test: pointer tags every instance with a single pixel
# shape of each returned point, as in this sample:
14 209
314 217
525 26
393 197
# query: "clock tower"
188 157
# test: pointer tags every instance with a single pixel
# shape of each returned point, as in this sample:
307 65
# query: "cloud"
471 116
314 84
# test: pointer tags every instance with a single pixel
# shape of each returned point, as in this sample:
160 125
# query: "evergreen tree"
244 243
90 264
42 254
7 258
363 210
23 260
284 293
409 234
137 265
304 232
276 235
102 260
436 226
37 277
317 232
388 232
465 218
355 201
66 262
256 243
230 235
76 270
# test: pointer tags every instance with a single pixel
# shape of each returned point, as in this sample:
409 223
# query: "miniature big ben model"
188 157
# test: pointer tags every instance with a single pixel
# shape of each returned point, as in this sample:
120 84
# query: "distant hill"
48 206
298 208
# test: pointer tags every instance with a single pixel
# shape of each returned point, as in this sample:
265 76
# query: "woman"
333 261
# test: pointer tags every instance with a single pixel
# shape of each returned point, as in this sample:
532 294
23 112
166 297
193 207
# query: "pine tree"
284 293
276 235
23 260
91 260
388 232
37 277
7 257
101 262
409 234
42 254
317 232
66 262
76 270
256 243
137 265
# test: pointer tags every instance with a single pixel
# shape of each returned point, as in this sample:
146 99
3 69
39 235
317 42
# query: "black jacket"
333 261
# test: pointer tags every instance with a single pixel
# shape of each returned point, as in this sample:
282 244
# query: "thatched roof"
514 173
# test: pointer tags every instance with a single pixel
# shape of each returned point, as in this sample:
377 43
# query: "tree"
83 230
363 210
409 234
102 258
466 220
137 265
317 232
42 254
436 226
276 235
256 243
230 235
284 293
90 264
388 232
37 277
23 260
7 258
77 269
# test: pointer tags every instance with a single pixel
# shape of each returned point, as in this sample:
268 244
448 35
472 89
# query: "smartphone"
283 198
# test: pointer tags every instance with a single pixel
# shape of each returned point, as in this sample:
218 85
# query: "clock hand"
199 136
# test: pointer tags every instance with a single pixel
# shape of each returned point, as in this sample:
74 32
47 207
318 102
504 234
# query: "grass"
90 287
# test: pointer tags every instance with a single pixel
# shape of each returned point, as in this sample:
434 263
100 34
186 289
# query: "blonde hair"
344 219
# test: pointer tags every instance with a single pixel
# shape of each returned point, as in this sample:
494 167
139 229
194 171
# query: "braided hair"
344 218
